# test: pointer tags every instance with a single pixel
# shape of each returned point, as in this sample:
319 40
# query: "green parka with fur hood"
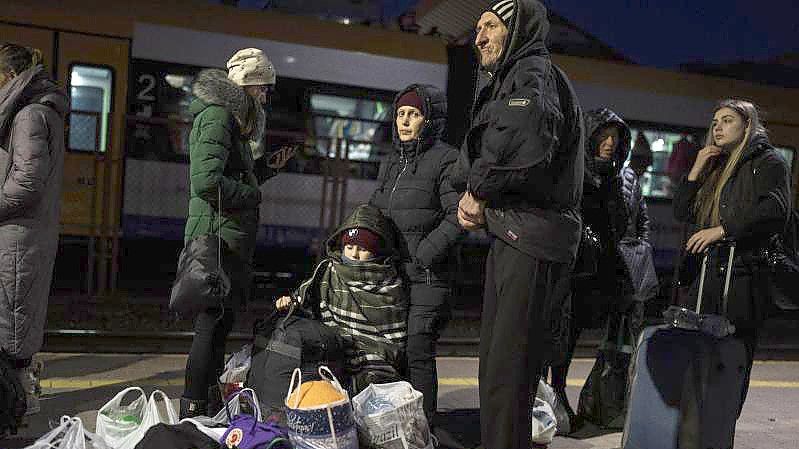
220 157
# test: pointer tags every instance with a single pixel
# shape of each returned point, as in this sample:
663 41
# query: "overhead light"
344 20
658 145
291 59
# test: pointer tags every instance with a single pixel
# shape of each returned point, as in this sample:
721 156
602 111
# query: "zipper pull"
427 274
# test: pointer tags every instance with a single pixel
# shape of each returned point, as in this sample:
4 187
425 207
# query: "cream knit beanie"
250 67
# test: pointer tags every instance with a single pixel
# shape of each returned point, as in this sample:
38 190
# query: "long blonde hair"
719 171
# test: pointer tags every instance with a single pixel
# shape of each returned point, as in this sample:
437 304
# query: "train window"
361 126
672 156
159 121
90 107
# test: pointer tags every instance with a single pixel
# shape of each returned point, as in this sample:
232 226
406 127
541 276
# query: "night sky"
666 33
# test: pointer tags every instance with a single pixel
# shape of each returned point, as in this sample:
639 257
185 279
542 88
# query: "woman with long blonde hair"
738 189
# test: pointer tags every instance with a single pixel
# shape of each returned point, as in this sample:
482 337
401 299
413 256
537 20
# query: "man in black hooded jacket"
520 171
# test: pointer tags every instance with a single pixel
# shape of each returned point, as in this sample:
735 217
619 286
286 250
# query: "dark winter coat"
638 215
604 206
754 206
605 211
32 111
523 152
415 193
220 156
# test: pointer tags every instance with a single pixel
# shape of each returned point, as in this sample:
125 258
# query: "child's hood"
369 217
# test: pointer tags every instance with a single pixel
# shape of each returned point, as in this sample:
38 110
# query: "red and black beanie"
411 98
362 237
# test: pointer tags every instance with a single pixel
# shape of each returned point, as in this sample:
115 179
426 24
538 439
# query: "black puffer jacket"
605 211
416 195
754 206
638 219
754 203
603 206
523 152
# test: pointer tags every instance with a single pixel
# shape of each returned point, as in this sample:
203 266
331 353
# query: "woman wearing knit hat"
225 146
414 192
252 70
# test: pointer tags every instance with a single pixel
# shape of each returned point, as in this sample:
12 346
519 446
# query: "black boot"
189 408
215 402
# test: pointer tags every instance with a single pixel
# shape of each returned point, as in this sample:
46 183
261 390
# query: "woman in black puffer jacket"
605 212
738 189
415 194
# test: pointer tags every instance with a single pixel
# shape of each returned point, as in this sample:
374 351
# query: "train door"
94 70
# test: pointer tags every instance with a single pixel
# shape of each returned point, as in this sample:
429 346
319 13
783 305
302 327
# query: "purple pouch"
247 432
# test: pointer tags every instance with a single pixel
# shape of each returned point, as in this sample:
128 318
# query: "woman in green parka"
226 163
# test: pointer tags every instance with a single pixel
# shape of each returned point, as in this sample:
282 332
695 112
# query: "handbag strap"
219 227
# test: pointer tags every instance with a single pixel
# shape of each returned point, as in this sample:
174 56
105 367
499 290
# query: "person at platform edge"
520 172
32 111
226 151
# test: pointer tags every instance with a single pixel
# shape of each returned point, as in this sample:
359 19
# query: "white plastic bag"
215 427
69 434
237 366
236 370
123 426
546 393
391 416
544 422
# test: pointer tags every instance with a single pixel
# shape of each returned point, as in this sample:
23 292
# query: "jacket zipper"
396 181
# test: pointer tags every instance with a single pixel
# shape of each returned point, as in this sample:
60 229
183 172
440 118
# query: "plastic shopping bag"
123 426
544 424
217 425
69 434
236 369
547 394
391 416
330 425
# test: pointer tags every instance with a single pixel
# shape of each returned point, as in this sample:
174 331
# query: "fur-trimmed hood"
212 86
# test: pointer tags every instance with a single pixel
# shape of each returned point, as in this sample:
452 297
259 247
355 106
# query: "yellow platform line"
71 383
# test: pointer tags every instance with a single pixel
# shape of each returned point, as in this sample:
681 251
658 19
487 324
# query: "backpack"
12 396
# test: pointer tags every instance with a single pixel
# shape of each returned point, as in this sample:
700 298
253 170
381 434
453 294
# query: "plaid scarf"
367 303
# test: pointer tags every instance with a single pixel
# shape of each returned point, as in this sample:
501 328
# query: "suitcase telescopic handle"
727 277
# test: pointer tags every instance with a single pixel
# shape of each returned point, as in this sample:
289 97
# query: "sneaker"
30 377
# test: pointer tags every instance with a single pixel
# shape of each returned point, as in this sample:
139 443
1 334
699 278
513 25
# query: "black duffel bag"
201 282
283 343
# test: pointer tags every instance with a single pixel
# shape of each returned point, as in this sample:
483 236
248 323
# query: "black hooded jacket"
415 193
755 202
755 205
604 205
523 152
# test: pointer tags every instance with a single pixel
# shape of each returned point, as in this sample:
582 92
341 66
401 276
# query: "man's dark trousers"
519 290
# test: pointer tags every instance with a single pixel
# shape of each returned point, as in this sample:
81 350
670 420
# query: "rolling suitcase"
688 375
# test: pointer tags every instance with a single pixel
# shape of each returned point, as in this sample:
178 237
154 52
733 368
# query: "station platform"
78 384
